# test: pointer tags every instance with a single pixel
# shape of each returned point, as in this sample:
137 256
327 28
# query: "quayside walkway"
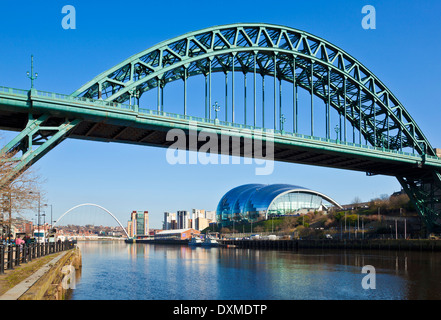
29 272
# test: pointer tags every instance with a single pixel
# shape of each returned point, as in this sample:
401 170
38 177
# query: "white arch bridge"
93 205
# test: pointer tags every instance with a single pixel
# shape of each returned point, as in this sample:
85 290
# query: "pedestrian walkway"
17 291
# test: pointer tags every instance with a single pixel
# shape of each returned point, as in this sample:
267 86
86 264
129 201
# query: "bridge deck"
112 122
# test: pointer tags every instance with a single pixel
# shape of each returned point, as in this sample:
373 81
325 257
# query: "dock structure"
370 244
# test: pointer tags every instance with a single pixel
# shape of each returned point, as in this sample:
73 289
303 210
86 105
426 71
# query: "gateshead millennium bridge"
325 91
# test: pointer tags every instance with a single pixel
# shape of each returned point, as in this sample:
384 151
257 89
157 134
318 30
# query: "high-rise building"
139 223
169 218
210 215
130 228
197 213
182 218
201 223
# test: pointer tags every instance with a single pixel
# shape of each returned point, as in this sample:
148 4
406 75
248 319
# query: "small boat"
195 241
210 242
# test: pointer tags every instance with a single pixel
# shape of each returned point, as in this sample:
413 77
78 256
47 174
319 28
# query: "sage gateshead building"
253 202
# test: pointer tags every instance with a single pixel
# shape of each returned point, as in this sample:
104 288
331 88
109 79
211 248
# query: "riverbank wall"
158 241
374 244
49 282
50 286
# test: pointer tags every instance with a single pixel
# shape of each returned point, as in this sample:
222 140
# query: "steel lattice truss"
307 61
280 53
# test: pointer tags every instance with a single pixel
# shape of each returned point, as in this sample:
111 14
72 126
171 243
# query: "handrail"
134 108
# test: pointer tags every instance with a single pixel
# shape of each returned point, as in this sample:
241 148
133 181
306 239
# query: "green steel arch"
284 54
305 60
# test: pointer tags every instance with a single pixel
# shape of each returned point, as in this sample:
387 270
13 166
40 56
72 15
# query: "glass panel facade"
140 229
293 203
253 201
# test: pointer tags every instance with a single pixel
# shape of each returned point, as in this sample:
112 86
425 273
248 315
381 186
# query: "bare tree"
356 202
21 194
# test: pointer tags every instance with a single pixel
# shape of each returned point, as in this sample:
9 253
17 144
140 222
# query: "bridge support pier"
425 194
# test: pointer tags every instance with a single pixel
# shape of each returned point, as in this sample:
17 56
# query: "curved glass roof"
228 201
250 200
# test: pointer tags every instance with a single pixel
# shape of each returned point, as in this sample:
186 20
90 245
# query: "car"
328 236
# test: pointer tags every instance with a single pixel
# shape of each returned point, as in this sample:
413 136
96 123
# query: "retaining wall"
420 245
49 285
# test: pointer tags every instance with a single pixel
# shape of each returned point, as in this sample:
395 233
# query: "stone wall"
50 285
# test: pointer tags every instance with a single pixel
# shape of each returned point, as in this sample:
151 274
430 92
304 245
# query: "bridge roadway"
114 122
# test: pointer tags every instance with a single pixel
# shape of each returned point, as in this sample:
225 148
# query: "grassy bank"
13 277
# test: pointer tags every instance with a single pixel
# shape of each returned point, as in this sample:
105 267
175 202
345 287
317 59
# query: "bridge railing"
65 97
126 107
14 91
280 132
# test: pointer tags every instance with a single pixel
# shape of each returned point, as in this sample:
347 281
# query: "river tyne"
114 270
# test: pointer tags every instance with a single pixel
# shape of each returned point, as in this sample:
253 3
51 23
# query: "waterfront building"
138 224
183 219
178 234
253 202
130 228
210 215
197 213
169 222
201 223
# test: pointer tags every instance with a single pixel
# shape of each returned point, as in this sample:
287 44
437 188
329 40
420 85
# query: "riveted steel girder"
352 89
39 136
306 61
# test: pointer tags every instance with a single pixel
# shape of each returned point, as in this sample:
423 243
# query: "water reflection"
115 270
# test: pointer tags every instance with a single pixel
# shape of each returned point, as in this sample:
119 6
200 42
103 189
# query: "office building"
183 218
169 222
138 224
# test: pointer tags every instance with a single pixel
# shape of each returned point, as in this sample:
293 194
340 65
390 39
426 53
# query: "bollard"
24 258
10 257
29 249
2 259
17 255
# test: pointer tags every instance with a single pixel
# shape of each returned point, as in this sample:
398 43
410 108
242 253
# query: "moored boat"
210 242
195 241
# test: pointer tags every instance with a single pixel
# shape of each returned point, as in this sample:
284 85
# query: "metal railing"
12 255
146 111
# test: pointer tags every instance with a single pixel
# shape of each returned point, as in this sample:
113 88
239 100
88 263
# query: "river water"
114 270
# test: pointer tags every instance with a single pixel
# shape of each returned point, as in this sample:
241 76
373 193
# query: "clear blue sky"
403 52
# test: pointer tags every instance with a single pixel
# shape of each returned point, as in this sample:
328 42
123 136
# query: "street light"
337 130
216 109
282 121
47 205
38 214
31 75
135 94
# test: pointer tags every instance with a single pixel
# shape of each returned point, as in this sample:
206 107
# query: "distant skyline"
401 52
